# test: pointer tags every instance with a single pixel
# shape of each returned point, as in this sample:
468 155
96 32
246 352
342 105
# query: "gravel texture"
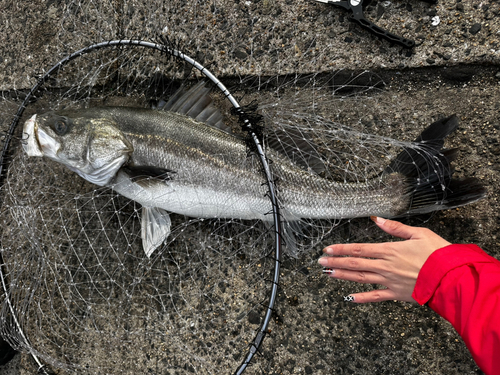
454 68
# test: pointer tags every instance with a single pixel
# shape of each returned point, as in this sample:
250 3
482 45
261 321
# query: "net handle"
248 126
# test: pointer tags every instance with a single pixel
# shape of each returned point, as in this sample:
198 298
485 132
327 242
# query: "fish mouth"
36 142
29 140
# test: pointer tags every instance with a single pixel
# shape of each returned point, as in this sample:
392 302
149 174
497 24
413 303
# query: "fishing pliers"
357 15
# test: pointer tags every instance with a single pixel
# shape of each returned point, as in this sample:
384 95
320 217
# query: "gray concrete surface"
265 37
455 68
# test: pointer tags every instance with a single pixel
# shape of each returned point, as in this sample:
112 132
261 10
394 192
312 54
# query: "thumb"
395 228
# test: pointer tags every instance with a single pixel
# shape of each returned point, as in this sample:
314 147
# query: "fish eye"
61 126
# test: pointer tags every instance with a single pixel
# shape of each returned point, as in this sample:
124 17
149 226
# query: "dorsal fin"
195 103
295 145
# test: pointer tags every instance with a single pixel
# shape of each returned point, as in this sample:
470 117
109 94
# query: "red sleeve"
462 284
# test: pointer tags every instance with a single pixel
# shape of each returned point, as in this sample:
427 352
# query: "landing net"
81 294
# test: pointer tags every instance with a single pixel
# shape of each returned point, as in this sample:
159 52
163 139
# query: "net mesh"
78 277
82 290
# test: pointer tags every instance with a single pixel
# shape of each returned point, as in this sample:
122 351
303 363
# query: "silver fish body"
210 172
169 162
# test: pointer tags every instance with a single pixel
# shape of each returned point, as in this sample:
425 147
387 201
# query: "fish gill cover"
84 293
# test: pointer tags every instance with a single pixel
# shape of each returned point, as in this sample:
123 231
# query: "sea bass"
179 160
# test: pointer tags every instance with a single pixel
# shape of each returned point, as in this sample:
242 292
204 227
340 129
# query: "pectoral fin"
146 176
155 228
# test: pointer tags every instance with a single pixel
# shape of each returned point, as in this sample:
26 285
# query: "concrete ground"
454 68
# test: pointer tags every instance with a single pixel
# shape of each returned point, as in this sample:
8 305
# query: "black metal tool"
357 15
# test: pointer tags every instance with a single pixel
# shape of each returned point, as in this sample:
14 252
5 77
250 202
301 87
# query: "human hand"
394 265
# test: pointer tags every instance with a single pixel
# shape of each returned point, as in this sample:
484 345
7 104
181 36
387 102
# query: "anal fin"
290 230
155 228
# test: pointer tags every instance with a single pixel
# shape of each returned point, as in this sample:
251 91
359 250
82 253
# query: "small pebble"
475 28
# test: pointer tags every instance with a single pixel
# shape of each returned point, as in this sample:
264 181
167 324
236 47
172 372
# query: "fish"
179 158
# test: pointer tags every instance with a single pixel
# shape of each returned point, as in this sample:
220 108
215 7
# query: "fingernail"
328 250
378 220
349 298
323 261
329 271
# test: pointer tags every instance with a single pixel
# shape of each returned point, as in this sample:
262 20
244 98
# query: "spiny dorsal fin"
195 103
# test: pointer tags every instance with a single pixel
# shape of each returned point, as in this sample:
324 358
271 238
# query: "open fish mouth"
30 141
36 142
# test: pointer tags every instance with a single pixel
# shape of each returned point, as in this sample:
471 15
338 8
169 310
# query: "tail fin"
429 174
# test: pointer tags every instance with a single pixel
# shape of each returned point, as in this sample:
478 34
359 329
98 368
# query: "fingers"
362 277
356 250
372 296
395 228
414 233
350 263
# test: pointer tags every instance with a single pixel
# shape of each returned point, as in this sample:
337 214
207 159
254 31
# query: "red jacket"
462 284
